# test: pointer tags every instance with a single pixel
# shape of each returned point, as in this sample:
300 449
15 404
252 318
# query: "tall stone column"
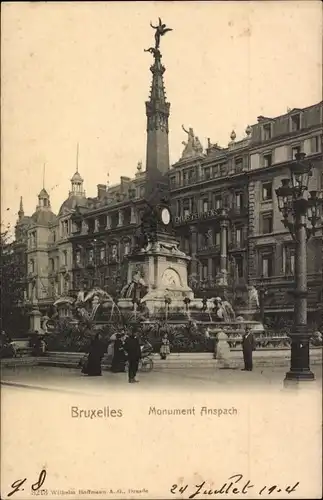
222 278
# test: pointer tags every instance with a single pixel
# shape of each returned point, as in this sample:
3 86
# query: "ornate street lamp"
298 211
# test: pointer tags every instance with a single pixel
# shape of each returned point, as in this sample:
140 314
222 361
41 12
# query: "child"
165 347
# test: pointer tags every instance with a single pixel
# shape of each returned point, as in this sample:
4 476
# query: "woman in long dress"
96 353
222 350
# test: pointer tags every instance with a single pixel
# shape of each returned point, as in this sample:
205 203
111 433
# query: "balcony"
237 212
208 250
235 246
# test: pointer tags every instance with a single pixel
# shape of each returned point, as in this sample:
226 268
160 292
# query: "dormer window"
266 129
295 121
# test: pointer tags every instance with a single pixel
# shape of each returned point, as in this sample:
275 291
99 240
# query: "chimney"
102 191
124 184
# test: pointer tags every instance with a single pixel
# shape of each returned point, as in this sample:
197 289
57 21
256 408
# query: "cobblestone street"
176 379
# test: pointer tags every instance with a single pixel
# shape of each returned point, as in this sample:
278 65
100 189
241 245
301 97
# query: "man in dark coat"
248 346
132 348
119 356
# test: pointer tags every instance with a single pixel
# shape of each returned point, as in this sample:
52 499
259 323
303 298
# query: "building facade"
86 244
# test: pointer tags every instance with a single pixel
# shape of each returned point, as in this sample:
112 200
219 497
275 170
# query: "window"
295 122
239 266
205 204
126 247
217 238
32 266
207 173
267 266
266 131
173 181
238 236
102 254
238 200
215 171
223 168
295 151
217 202
267 191
315 144
78 257
65 258
267 160
204 270
289 261
51 264
186 208
215 266
91 255
267 223
238 164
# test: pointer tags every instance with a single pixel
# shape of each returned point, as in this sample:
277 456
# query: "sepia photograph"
161 249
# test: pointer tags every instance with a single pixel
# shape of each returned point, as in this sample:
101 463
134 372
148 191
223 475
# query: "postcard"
161 250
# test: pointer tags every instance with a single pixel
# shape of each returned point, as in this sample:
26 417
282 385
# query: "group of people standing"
222 351
124 349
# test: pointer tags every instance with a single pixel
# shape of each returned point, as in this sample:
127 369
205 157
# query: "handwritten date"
235 485
17 485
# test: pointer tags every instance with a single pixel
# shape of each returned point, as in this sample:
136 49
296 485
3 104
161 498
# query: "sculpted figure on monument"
154 52
193 146
160 31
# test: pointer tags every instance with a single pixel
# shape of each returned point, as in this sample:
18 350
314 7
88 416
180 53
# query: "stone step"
177 364
13 362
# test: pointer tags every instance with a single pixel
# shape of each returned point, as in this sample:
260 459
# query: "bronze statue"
153 51
160 31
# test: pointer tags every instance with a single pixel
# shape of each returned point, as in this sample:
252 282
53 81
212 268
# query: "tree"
12 285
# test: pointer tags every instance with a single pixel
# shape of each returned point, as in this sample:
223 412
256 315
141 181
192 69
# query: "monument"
156 264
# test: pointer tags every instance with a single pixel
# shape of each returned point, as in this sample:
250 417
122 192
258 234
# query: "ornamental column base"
300 357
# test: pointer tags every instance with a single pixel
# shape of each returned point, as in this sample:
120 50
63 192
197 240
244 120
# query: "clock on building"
165 216
171 278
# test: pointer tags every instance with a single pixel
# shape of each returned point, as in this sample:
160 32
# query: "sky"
77 73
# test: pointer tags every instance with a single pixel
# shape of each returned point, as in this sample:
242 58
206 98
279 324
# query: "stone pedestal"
35 320
163 269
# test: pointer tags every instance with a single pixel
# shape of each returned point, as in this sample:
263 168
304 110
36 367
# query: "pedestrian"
223 353
133 350
96 352
248 346
119 356
165 347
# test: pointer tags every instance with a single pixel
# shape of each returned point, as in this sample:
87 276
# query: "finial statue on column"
160 31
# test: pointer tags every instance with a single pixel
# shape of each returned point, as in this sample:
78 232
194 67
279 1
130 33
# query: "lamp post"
298 211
